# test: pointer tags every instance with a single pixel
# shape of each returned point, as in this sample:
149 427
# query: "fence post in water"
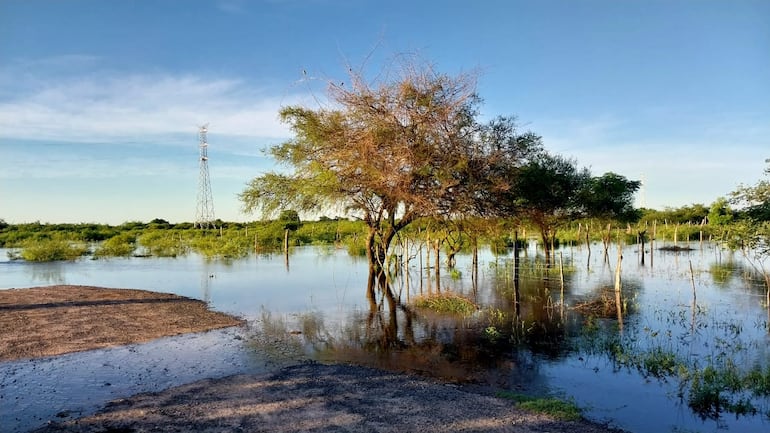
561 276
676 235
618 286
427 262
516 293
652 241
475 265
694 298
588 247
438 266
419 254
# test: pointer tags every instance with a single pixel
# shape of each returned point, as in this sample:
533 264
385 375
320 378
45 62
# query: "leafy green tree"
609 198
548 193
754 199
159 223
720 213
752 234
388 152
289 219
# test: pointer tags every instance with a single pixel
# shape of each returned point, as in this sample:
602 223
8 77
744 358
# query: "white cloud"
118 108
682 159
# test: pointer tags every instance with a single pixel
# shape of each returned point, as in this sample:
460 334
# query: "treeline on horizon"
228 240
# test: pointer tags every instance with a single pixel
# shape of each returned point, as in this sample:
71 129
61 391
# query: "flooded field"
684 350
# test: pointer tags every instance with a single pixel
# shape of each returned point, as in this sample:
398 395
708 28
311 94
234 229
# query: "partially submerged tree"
548 193
752 234
609 198
389 152
754 199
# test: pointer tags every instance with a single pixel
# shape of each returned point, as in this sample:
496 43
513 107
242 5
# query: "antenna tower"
204 213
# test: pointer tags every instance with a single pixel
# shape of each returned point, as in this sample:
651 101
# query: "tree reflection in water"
518 318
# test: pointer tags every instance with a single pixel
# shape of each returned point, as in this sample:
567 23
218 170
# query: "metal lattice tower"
204 213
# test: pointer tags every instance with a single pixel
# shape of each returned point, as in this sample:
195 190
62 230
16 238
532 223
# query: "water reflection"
544 327
537 327
50 274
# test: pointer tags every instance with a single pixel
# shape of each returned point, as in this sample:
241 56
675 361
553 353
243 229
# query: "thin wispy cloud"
684 160
104 107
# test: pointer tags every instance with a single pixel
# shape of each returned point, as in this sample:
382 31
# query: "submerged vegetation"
447 303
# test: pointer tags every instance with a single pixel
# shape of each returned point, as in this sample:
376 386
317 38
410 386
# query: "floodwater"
317 304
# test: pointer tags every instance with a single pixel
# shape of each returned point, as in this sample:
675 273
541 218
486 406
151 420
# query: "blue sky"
100 100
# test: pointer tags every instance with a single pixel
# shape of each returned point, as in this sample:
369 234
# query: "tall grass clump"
356 246
446 303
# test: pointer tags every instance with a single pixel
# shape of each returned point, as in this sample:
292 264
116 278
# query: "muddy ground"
306 397
53 320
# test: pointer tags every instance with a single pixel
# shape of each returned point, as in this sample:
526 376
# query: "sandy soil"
48 321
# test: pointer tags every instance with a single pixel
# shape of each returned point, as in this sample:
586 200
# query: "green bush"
122 245
163 243
231 245
52 250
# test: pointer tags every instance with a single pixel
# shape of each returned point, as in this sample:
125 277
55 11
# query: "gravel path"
318 398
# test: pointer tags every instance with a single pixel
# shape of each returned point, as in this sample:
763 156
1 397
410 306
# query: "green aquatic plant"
710 386
557 408
455 274
448 303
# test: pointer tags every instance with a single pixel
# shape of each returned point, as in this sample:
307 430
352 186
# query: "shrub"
122 245
52 250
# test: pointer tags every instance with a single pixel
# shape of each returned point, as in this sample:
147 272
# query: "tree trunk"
544 235
475 265
606 242
618 286
438 266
